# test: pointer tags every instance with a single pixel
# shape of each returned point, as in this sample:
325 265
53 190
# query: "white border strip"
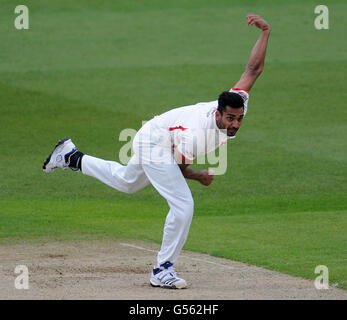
182 256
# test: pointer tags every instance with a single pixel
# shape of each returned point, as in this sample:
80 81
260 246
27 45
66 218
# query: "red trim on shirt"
239 89
179 127
185 158
182 155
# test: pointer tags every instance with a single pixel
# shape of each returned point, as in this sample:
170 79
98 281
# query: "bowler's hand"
206 177
258 21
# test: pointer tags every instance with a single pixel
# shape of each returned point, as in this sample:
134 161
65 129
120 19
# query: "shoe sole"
60 142
158 285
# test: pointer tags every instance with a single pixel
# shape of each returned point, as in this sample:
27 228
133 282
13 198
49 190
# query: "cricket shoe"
165 277
60 157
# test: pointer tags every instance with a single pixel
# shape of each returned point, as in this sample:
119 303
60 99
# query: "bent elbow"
254 70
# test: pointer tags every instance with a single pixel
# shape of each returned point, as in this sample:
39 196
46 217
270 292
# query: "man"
163 149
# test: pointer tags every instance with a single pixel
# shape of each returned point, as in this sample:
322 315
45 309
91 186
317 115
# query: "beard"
230 132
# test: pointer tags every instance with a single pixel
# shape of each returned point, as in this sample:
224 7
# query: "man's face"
231 120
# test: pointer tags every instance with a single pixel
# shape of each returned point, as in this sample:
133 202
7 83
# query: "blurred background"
89 69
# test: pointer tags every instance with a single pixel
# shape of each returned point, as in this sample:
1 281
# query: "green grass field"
89 69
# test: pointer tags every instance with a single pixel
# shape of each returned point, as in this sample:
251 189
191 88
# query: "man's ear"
218 115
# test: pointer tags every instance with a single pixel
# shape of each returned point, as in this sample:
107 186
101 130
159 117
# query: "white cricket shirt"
191 129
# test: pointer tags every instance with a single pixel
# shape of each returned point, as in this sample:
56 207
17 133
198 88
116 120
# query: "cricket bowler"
164 148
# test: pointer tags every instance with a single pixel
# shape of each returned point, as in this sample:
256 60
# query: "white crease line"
137 247
182 256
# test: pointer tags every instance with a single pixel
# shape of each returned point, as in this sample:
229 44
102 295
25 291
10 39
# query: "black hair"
230 99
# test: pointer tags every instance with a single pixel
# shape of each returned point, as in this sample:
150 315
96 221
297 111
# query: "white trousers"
169 182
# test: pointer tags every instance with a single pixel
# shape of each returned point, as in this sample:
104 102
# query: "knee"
130 189
186 210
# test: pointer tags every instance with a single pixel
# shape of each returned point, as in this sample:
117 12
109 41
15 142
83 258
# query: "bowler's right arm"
256 61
